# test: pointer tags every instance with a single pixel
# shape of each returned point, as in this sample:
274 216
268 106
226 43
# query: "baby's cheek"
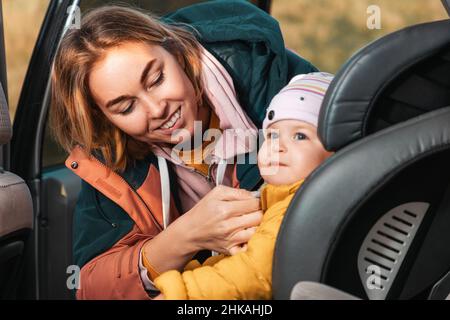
297 172
263 156
309 164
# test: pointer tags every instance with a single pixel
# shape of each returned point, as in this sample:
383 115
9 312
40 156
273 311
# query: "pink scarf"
219 89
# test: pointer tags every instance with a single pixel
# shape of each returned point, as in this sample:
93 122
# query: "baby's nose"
280 145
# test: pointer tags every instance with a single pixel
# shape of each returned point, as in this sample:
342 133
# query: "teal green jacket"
248 43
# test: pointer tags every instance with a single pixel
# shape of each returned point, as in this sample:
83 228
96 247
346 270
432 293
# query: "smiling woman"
125 73
144 91
127 87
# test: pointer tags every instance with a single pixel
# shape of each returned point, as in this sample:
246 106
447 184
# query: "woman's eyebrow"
143 80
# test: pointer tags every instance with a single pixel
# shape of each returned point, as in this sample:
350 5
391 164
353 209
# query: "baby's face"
290 152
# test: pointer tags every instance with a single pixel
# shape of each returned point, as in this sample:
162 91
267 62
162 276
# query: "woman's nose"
156 109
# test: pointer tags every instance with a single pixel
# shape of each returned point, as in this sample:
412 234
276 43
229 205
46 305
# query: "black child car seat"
374 219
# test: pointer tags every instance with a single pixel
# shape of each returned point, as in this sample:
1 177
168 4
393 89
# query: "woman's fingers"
218 221
241 207
242 236
230 194
234 250
253 229
246 221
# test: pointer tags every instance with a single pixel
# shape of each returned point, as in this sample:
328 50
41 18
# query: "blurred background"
325 32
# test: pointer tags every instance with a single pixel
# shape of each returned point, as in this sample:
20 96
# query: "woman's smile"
174 122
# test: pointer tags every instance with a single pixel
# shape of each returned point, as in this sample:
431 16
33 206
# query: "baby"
290 152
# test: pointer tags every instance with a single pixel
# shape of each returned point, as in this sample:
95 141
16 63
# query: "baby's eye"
300 136
272 135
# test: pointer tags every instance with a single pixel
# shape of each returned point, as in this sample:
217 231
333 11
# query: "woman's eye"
157 82
160 79
128 109
300 136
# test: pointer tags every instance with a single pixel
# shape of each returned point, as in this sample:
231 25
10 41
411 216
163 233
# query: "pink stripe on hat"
300 100
319 93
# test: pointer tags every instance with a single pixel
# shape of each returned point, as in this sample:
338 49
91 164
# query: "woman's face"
290 152
143 90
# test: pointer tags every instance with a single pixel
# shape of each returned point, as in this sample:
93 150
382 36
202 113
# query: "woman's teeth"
173 119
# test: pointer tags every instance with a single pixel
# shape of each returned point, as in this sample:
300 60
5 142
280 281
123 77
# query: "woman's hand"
225 218
242 247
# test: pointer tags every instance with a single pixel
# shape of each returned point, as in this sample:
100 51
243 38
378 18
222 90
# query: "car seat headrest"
394 78
5 122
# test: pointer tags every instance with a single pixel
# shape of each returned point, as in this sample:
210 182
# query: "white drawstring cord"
220 174
165 190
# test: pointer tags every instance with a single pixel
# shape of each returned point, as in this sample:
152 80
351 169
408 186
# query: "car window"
328 32
19 41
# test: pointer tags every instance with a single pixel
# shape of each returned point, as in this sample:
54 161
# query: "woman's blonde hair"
75 118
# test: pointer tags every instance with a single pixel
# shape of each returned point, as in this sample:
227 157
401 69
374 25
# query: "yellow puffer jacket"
244 276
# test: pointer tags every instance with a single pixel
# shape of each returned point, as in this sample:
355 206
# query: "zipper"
137 194
207 177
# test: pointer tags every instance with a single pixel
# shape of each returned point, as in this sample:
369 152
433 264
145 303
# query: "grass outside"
328 32
22 21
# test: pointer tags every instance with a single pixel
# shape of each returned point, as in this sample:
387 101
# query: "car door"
40 161
4 150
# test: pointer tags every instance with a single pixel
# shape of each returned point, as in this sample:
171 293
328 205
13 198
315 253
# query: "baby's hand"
239 248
